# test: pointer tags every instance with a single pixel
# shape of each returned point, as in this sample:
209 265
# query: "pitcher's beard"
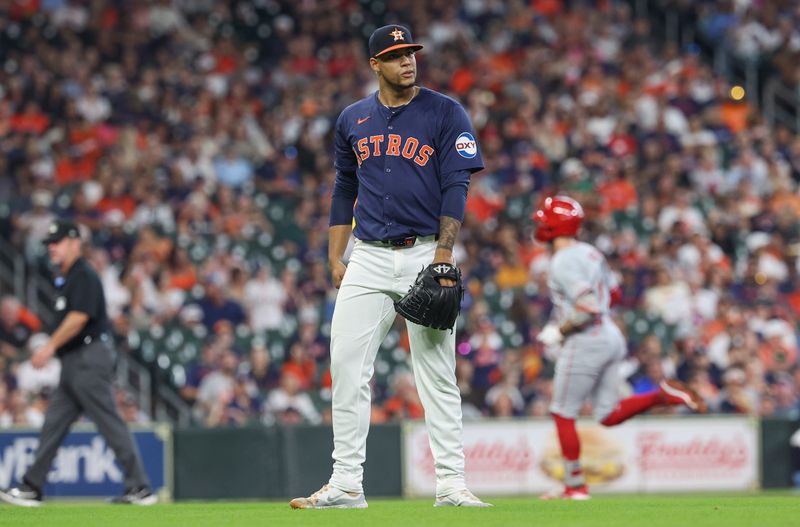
401 87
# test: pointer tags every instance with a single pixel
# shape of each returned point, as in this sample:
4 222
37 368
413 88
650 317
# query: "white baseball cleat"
460 498
329 497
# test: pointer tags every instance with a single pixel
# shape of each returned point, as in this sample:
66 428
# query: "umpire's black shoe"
24 495
140 496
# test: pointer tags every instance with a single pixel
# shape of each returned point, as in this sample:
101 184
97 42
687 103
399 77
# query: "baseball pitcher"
407 154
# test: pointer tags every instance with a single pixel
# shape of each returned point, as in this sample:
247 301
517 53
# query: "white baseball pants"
588 368
363 315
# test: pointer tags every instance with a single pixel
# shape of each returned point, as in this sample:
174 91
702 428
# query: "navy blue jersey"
401 162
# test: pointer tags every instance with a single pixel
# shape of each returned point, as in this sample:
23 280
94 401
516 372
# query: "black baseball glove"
429 304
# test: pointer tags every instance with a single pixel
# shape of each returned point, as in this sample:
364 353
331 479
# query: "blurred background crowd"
193 141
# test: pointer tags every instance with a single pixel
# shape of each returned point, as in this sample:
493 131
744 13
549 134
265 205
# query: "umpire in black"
83 342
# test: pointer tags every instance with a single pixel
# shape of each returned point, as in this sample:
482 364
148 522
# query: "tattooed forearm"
448 231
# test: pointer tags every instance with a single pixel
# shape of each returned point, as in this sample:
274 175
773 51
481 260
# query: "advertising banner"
85 465
643 455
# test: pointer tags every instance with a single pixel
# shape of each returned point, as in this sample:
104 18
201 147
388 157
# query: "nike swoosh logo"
363 119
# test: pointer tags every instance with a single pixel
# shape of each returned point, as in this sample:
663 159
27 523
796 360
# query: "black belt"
84 341
406 241
103 337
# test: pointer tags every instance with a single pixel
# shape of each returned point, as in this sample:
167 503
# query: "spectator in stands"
235 406
264 298
232 169
505 400
486 348
651 376
20 412
403 401
667 297
114 238
208 362
301 364
216 387
128 408
787 402
17 323
217 306
260 369
154 210
35 408
117 295
315 346
179 273
778 352
733 397
287 404
470 404
32 225
32 381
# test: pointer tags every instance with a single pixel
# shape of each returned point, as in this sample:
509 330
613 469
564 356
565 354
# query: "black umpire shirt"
81 290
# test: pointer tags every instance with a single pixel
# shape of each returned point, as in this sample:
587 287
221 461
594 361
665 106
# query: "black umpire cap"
60 229
389 38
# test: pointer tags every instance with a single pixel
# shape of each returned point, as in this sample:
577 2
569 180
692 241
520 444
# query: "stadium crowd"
193 141
761 32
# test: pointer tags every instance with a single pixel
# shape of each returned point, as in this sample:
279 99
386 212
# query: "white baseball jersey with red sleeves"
575 271
588 364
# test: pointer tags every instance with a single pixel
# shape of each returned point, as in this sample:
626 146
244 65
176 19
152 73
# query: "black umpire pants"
85 387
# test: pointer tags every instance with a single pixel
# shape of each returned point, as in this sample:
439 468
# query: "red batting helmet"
558 216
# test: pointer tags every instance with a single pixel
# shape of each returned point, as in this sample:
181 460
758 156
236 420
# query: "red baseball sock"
633 405
571 450
568 437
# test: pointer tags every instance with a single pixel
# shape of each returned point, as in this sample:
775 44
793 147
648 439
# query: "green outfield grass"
761 510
